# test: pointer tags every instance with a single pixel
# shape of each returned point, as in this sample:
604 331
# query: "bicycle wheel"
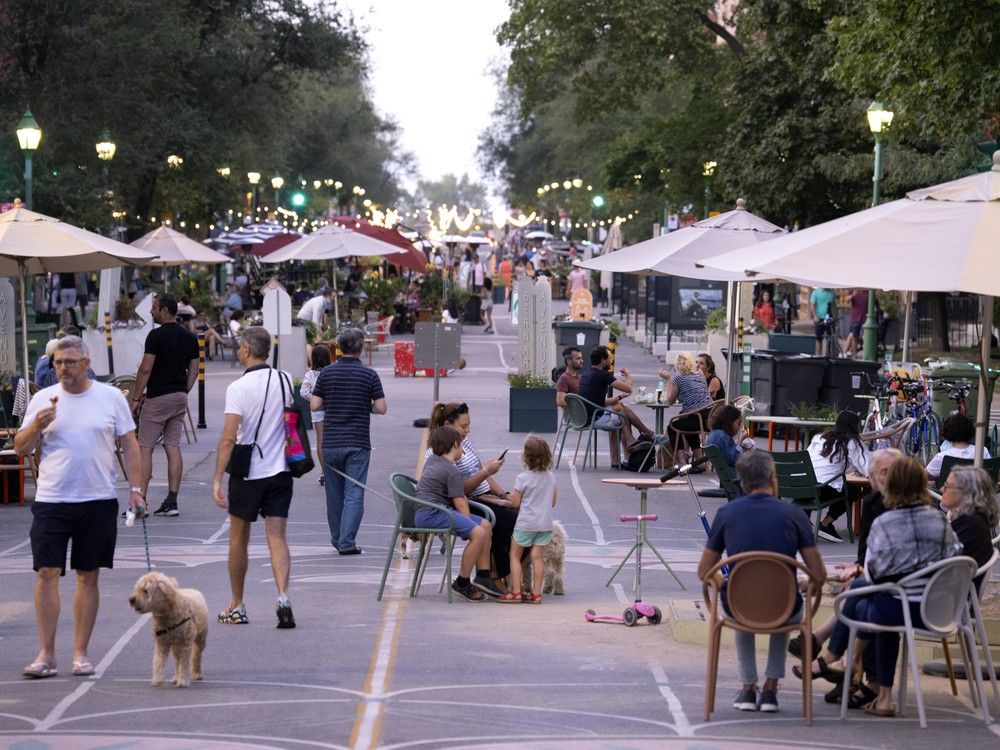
912 443
933 434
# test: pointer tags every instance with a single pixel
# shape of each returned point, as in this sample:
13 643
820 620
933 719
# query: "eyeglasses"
949 486
456 412
66 362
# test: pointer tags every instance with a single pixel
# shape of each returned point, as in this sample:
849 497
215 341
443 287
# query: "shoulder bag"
298 456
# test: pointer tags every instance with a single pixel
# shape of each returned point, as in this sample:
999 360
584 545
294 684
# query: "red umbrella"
273 243
408 256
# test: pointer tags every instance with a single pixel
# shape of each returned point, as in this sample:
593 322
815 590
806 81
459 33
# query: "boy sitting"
441 483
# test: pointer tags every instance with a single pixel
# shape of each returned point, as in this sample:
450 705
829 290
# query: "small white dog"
554 560
180 625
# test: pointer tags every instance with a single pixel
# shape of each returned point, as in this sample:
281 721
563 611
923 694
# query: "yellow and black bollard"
612 345
107 337
202 353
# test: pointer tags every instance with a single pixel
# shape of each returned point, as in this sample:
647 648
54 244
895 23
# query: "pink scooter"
639 609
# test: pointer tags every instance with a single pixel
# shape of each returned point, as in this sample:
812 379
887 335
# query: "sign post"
437 345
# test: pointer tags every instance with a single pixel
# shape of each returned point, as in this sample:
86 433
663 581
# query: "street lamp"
708 169
29 135
253 178
879 119
106 152
276 183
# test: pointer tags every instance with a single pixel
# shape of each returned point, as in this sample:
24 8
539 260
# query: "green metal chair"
990 465
579 421
728 480
797 482
404 490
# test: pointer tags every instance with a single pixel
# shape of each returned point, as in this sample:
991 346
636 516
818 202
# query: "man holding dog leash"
74 423
254 415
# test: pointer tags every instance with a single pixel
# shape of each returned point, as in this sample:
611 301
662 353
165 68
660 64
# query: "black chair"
990 465
797 482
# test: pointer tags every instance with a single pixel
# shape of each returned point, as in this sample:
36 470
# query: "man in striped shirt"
348 393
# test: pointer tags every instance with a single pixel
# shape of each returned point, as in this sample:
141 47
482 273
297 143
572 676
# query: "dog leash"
129 520
363 486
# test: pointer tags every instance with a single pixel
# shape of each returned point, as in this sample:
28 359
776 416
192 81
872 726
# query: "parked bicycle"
882 401
925 435
958 392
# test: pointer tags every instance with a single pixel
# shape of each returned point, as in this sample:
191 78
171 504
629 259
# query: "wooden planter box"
533 410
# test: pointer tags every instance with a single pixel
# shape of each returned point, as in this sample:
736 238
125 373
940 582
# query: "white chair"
944 607
381 328
976 613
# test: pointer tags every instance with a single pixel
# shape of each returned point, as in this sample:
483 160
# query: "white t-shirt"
313 309
235 328
969 452
857 459
78 447
246 397
536 488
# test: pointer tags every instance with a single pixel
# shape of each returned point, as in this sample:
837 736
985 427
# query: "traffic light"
597 200
298 199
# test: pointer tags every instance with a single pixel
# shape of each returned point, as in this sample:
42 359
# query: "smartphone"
503 454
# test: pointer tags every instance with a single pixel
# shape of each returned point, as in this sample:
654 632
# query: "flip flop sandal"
82 669
510 598
872 709
39 670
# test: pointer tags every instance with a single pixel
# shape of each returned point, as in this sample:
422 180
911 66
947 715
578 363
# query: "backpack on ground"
641 456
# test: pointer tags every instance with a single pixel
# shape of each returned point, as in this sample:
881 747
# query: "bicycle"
829 345
959 393
881 391
925 435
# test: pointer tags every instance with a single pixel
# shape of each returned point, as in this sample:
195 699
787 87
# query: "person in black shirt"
167 373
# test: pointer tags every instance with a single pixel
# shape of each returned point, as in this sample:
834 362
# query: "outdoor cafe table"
643 484
806 425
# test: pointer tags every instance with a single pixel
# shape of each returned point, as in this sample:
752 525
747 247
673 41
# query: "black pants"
836 510
503 530
690 424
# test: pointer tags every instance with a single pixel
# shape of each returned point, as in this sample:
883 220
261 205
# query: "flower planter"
533 410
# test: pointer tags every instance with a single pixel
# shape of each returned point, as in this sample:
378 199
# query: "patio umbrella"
249 234
538 234
175 249
406 256
944 238
33 243
331 242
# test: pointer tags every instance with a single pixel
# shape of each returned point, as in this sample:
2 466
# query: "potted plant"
532 403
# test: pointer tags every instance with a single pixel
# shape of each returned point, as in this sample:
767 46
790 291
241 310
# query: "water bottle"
659 392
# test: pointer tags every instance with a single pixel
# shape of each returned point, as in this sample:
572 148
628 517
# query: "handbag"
239 459
298 456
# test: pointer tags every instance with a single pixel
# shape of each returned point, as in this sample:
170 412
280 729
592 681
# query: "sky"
429 73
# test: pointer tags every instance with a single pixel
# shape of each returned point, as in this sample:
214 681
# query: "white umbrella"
251 234
678 253
944 238
331 242
175 249
457 239
539 234
33 243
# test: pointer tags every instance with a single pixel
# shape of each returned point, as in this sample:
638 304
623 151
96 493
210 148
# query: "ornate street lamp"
253 178
879 119
29 135
106 147
708 169
277 183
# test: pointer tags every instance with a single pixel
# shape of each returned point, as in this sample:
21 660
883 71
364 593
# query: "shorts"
527 539
268 497
162 415
487 304
821 329
609 422
434 518
317 416
91 525
856 328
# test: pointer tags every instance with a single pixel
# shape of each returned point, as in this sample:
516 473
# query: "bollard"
107 337
202 353
612 346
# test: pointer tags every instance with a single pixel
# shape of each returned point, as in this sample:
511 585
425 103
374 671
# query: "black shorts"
822 329
92 525
270 496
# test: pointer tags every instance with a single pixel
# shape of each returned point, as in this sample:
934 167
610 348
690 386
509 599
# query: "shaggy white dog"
180 625
554 560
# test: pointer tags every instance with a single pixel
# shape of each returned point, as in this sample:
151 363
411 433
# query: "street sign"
437 345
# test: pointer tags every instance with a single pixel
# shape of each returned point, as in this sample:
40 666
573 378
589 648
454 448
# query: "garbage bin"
582 333
796 380
954 371
839 386
761 380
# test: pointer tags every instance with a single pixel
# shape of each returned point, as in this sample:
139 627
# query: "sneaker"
236 616
487 586
468 591
167 509
352 551
285 617
830 534
746 700
768 701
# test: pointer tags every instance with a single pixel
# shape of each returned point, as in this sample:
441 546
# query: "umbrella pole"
22 273
906 326
983 406
336 307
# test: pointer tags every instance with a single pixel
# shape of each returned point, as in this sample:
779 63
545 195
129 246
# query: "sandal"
795 647
830 675
861 695
510 598
82 669
39 670
532 598
236 616
872 709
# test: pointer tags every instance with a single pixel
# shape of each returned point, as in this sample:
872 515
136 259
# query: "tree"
450 191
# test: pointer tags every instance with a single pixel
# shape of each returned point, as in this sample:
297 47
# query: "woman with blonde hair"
688 387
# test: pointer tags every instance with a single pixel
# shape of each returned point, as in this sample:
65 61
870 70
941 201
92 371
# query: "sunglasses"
456 412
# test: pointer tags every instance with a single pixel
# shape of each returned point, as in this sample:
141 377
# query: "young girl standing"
318 359
534 495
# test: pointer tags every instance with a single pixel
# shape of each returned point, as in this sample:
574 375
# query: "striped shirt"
348 389
692 391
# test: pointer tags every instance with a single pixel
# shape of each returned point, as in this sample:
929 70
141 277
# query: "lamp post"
106 152
707 171
29 135
253 178
879 119
277 183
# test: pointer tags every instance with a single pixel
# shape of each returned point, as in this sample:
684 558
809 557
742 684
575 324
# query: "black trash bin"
582 333
840 386
761 380
472 308
796 380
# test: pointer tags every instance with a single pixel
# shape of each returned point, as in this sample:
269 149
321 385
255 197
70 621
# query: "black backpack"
641 457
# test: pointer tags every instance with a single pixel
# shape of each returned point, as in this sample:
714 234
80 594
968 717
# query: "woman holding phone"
479 485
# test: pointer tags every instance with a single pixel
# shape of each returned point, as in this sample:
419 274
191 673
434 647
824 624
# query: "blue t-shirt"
348 389
725 443
822 301
594 385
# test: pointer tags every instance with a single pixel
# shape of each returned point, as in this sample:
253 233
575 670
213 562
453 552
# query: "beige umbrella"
331 242
175 249
32 243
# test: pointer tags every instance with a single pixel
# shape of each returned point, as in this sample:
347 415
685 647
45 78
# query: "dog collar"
164 631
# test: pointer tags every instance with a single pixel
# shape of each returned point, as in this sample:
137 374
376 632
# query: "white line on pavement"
15 548
218 534
598 531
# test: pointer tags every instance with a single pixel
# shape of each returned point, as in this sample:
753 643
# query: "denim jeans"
746 654
345 501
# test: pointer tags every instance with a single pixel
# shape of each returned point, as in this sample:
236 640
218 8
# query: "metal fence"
963 320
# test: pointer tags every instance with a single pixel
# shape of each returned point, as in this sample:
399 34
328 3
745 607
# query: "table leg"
770 437
644 541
